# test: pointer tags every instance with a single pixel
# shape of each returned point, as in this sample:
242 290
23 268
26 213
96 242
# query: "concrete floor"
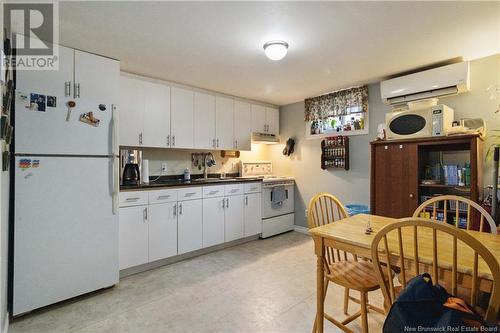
261 286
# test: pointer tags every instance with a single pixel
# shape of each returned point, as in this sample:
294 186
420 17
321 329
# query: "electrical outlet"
164 167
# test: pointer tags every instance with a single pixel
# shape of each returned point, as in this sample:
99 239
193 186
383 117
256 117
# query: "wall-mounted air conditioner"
437 82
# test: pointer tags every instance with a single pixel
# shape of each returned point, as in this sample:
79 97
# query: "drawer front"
128 199
213 191
254 187
234 189
160 196
189 193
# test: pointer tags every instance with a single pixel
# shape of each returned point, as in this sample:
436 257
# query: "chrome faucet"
208 161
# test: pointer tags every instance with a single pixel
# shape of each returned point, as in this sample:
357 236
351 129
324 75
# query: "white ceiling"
333 45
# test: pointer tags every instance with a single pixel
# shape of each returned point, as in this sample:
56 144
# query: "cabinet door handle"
168 140
76 90
236 144
140 138
223 203
217 143
67 88
163 196
246 200
180 209
175 210
132 199
189 194
173 140
227 203
411 195
145 214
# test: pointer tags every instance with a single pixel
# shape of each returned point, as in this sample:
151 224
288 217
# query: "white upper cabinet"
156 117
258 119
182 118
204 121
131 106
273 121
144 113
265 119
224 122
242 125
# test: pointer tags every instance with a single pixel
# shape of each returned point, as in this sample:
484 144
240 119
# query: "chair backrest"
325 208
462 209
398 243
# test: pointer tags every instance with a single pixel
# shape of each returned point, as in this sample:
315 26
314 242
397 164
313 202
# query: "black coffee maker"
131 174
130 160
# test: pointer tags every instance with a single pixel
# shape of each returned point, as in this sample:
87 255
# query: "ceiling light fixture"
276 49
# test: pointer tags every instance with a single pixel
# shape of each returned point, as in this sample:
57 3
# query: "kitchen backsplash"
179 159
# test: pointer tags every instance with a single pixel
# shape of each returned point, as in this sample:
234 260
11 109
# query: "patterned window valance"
337 103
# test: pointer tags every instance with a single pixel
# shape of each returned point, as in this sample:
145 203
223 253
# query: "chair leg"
346 300
324 296
364 315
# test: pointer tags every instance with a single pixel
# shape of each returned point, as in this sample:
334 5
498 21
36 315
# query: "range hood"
265 138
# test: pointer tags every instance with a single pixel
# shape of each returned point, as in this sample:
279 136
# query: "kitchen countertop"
173 182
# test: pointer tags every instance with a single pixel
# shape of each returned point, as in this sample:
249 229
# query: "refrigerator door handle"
116 162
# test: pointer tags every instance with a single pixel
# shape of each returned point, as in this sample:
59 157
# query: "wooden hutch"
398 169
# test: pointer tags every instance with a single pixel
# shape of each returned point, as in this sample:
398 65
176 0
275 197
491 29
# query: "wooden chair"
341 268
399 242
462 206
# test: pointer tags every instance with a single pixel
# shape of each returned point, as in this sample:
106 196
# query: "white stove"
277 197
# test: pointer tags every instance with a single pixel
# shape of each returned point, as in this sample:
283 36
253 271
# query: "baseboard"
5 328
301 229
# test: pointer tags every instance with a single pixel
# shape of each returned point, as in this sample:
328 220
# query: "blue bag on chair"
419 308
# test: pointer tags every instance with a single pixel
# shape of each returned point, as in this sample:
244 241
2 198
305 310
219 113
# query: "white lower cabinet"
189 225
253 214
133 236
234 218
162 231
178 221
213 221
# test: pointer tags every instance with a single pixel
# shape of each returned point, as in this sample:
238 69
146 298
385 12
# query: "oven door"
271 210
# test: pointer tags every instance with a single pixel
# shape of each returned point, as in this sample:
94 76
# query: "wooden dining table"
349 235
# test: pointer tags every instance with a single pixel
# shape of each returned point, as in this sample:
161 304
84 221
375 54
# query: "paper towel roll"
145 171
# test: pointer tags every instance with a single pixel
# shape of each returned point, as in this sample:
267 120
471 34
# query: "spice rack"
335 152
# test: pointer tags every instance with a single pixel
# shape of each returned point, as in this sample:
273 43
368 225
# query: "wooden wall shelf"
335 153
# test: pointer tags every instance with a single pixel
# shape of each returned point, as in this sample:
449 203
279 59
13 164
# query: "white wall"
353 186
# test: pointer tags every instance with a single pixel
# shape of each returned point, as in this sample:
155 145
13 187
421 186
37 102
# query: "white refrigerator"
66 182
